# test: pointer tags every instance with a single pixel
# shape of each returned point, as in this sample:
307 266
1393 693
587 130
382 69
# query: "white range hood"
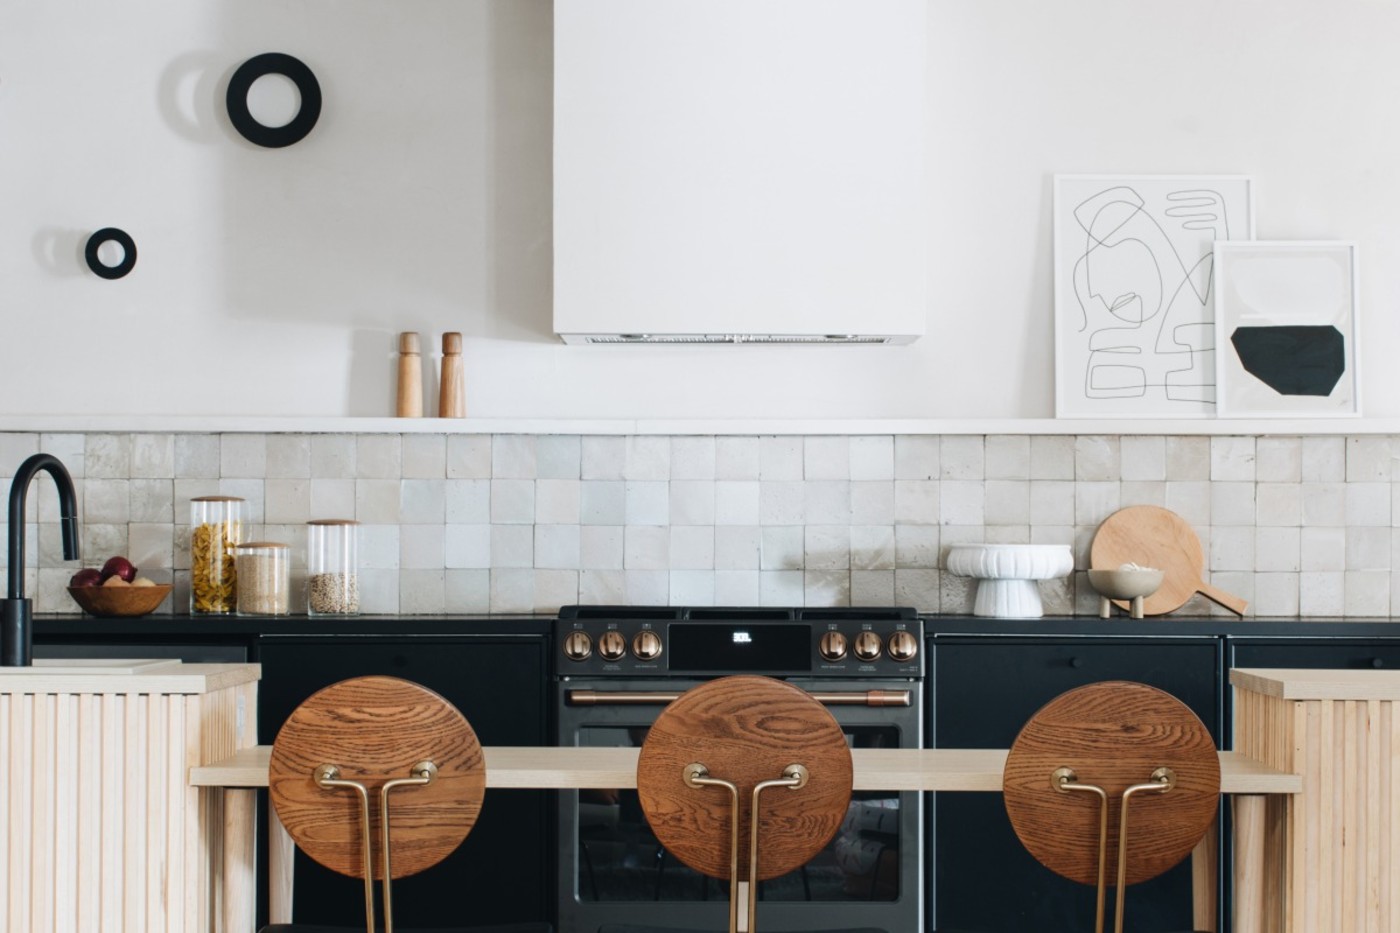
739 171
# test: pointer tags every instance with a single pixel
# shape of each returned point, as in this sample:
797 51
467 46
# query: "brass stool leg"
794 776
1065 781
328 776
423 773
697 775
1162 780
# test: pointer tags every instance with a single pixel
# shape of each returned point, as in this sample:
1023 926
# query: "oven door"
612 870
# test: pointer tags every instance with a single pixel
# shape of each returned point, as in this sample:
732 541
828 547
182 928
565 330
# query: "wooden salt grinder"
452 401
410 398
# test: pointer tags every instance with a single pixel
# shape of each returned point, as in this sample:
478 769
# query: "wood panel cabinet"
99 827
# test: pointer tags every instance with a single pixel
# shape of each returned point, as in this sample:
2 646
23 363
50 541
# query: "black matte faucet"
17 619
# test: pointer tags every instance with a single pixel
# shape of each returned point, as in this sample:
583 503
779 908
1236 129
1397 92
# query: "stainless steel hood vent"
734 339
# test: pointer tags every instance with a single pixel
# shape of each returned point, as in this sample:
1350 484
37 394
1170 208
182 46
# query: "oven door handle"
662 697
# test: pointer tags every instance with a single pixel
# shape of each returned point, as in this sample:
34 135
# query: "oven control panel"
671 642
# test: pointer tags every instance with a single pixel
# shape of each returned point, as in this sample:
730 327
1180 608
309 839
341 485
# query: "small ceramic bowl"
1125 584
1131 585
122 601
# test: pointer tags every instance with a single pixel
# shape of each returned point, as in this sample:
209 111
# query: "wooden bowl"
119 600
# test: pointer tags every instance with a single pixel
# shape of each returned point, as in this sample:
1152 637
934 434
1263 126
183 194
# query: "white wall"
272 281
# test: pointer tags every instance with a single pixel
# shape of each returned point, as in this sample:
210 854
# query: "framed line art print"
1286 328
1134 291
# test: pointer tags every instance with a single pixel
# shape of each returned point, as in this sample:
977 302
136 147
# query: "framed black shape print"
1287 328
273 63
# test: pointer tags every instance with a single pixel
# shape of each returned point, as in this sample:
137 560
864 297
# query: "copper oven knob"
867 646
833 646
646 645
578 646
903 646
611 645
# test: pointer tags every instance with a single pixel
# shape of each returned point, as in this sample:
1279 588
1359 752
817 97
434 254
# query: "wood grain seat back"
1113 734
375 729
745 729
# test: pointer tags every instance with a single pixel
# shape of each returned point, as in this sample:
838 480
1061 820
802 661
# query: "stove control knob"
867 646
611 645
646 645
578 646
902 646
833 646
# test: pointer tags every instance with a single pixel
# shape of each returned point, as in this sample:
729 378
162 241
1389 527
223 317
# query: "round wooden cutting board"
1152 536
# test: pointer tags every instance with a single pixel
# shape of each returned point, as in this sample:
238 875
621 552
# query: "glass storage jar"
216 526
332 567
264 578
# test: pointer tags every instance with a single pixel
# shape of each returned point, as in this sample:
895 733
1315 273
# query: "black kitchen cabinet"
502 872
985 688
1315 653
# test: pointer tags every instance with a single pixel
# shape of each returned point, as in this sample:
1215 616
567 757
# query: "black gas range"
617 666
641 641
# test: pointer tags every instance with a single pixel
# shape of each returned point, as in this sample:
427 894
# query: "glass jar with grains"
264 578
332 567
216 525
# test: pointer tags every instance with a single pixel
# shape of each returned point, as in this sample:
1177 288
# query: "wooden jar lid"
375 729
1113 734
745 729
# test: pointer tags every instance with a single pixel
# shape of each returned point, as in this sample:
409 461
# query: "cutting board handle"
1221 598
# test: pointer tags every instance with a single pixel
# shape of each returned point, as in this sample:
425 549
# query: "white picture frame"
1134 290
1287 329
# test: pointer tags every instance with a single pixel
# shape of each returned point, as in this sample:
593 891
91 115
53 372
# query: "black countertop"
185 626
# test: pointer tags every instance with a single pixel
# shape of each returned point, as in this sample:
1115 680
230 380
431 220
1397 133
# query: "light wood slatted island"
102 828
1330 856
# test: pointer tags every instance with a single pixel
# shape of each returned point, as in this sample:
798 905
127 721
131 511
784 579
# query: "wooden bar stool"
743 778
1112 774
363 750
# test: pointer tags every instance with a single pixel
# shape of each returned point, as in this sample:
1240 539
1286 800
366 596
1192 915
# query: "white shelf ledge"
253 424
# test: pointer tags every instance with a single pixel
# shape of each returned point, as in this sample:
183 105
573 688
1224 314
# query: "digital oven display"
739 648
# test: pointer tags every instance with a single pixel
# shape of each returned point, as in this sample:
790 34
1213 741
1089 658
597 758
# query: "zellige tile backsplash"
520 523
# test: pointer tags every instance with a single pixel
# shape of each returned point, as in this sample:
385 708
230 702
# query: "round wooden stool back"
375 729
745 730
1112 734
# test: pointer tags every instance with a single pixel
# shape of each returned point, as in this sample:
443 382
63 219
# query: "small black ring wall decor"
122 239
273 63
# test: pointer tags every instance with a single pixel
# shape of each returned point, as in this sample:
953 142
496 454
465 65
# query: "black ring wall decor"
273 63
122 239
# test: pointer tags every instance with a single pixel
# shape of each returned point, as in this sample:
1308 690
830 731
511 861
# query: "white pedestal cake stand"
1007 575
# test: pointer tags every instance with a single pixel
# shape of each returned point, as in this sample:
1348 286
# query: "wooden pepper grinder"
410 399
452 398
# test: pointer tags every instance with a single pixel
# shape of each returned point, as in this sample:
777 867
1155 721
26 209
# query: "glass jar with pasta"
216 527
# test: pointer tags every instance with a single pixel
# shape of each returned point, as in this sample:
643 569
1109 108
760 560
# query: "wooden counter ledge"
1303 684
943 769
